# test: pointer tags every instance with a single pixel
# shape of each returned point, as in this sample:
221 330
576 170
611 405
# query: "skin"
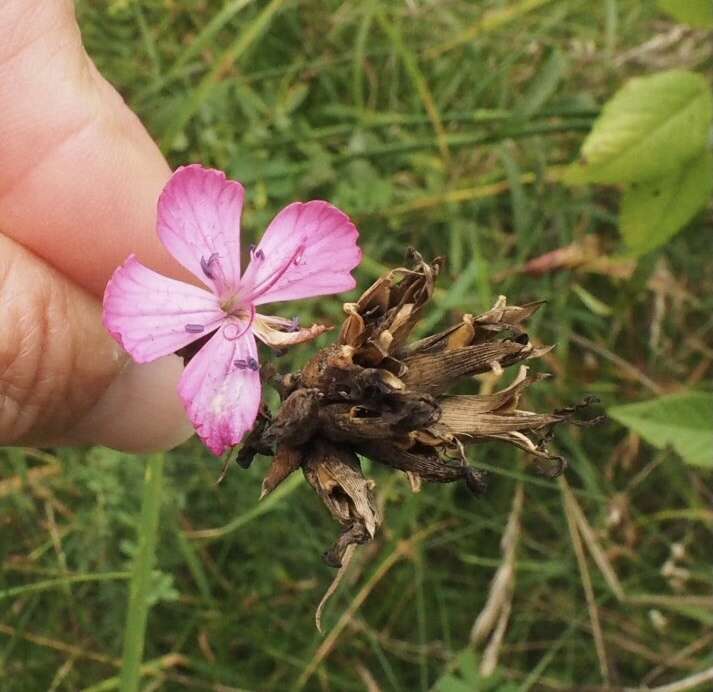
79 180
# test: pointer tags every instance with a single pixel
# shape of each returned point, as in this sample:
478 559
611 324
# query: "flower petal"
151 315
221 392
279 332
199 223
309 249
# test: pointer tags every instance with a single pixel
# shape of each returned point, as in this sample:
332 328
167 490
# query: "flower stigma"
243 318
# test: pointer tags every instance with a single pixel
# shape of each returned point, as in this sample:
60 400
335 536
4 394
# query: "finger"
78 186
63 379
80 175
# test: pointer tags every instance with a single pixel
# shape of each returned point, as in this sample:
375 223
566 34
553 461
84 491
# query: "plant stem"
135 630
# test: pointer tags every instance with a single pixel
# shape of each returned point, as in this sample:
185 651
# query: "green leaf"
451 683
648 129
653 211
697 13
683 421
466 677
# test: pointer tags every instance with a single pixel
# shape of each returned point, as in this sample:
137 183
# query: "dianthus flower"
309 249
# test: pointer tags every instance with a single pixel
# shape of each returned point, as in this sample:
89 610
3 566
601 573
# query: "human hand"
79 182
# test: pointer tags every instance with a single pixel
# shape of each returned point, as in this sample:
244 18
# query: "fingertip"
139 412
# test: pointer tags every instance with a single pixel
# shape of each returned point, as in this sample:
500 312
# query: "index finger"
80 175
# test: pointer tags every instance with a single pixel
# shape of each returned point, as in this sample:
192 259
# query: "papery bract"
309 249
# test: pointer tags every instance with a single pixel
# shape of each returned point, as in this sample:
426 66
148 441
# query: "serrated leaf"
698 13
683 421
648 129
653 211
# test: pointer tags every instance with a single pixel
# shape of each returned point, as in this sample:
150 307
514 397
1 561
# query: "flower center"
243 316
231 306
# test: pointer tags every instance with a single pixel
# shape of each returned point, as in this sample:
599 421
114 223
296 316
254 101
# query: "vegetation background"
443 125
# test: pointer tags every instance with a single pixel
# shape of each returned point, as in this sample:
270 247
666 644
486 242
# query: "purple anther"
206 265
253 364
240 364
259 254
195 328
294 325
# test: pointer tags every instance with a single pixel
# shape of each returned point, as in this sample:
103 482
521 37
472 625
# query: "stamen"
256 254
205 265
249 363
195 328
271 279
294 325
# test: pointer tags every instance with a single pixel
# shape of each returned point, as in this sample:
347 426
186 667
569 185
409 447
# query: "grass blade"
229 57
59 583
419 81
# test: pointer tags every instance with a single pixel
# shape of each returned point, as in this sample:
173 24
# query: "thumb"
63 379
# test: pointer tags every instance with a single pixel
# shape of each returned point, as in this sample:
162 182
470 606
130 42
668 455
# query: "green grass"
440 125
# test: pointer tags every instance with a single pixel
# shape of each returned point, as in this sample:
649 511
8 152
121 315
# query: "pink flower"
309 249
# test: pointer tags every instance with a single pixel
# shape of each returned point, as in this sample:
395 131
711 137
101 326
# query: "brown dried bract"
380 394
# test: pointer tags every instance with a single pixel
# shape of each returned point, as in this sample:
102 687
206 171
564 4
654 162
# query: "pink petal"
309 249
151 315
199 223
220 393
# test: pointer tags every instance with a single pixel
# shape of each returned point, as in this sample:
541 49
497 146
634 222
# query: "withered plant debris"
377 394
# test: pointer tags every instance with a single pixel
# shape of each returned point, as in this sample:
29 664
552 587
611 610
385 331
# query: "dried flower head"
309 249
378 394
